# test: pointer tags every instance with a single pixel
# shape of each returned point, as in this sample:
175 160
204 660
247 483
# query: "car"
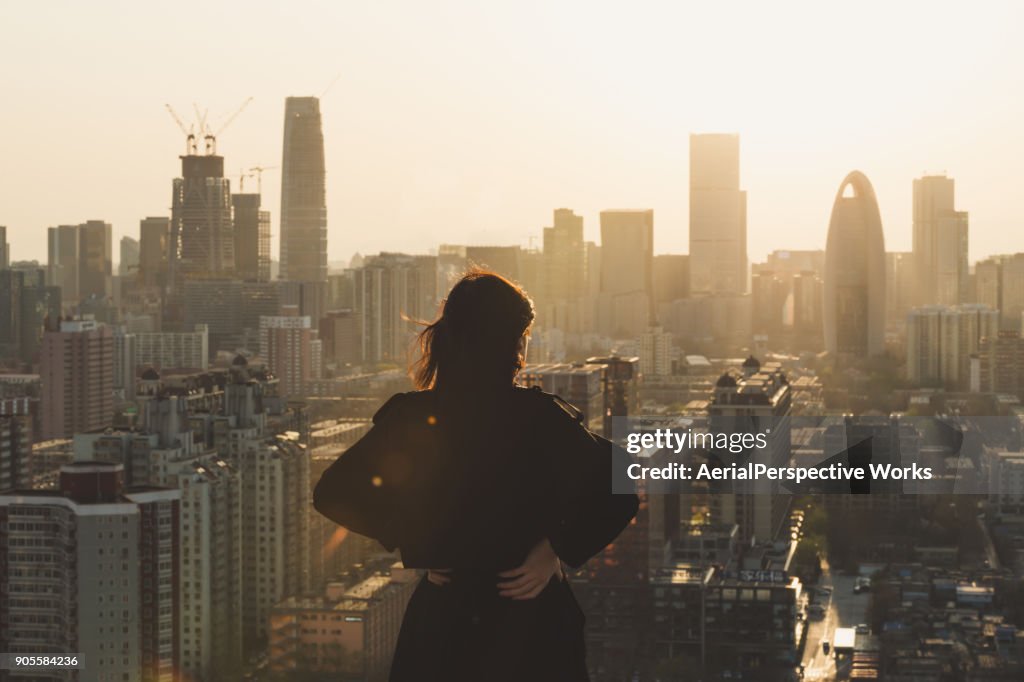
825 646
825 590
862 629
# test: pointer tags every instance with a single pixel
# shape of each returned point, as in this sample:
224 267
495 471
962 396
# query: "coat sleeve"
589 514
357 491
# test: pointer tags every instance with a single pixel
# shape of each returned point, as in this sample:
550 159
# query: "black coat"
472 485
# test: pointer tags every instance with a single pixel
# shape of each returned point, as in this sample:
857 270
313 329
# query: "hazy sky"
468 122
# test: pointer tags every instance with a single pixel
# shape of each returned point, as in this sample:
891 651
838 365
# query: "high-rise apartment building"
1001 364
291 348
91 568
854 306
177 350
940 243
77 372
718 216
656 352
627 271
303 193
15 447
390 290
252 238
942 339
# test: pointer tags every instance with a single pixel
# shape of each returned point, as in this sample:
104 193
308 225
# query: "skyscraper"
5 248
565 256
252 238
128 265
303 193
627 271
95 259
154 239
202 233
854 306
940 243
718 216
62 261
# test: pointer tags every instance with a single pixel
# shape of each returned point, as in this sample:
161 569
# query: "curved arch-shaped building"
854 301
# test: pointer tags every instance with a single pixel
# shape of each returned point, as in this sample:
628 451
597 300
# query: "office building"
565 257
340 337
62 260
899 287
5 249
128 265
671 277
95 260
252 238
27 305
854 306
940 243
154 253
202 241
718 216
303 193
504 260
124 364
77 372
627 272
91 568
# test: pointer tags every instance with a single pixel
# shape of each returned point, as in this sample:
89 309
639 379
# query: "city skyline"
421 148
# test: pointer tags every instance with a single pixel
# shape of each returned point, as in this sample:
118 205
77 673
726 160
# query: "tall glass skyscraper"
854 310
303 193
718 216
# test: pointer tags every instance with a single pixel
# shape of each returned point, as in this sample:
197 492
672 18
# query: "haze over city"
467 123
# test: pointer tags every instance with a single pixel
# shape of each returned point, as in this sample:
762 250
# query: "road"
844 609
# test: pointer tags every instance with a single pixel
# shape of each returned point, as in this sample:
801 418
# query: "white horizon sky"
469 122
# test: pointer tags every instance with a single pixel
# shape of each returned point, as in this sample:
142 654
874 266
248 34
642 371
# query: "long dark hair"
474 342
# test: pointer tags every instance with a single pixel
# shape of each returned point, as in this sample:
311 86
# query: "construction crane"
242 175
258 170
201 127
190 135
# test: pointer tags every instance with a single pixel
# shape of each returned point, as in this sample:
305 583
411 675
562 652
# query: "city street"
843 609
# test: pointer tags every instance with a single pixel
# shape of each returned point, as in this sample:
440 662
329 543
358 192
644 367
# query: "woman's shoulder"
549 406
404 404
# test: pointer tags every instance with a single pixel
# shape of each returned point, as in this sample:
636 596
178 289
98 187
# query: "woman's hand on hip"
530 579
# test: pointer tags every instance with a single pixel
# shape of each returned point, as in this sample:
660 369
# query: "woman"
489 486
